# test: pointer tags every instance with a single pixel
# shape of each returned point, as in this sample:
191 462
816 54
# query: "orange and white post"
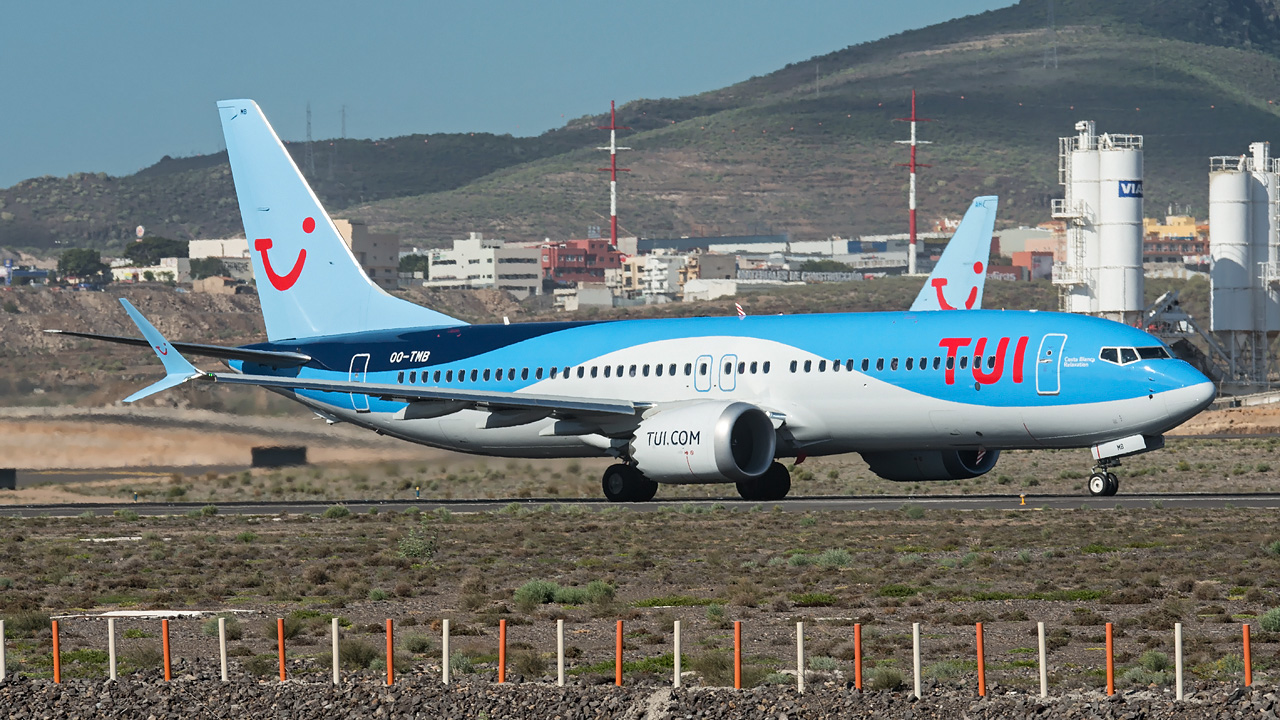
57 656
164 634
1248 659
857 655
280 645
737 654
502 651
982 664
617 661
391 656
1111 663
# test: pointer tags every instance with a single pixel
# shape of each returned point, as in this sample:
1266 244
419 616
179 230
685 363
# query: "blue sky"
114 86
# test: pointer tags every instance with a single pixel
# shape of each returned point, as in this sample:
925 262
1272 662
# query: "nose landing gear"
1103 483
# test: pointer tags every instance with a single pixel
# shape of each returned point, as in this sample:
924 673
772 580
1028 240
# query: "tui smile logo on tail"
286 281
939 283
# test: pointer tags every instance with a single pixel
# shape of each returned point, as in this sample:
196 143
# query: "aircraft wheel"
776 482
623 483
1098 484
1113 484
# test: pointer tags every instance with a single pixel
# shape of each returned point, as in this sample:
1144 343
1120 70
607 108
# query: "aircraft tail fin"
309 282
960 276
177 369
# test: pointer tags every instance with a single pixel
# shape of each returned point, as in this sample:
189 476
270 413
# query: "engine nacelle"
705 442
918 465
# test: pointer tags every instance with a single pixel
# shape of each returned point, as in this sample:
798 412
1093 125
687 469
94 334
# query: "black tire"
1113 484
749 489
1098 484
776 482
623 483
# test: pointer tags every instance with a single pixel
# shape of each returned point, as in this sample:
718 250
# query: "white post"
1177 656
444 648
677 657
3 672
1044 667
337 678
111 646
560 653
915 655
800 657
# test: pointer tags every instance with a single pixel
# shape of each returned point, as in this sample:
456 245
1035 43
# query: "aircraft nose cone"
1185 402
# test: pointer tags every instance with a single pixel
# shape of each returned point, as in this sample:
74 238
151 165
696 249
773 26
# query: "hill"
809 149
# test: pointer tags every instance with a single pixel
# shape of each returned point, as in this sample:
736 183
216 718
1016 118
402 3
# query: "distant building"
233 253
480 263
177 270
720 244
1038 264
377 253
1180 239
579 261
220 285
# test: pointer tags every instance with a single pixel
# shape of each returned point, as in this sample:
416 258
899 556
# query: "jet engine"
918 465
705 442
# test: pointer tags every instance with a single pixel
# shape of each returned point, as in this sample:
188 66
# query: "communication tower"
911 192
613 171
1244 246
1101 273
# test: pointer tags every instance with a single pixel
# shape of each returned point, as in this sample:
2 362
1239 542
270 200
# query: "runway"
1029 503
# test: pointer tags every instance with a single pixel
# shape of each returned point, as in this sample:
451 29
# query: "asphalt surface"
1031 503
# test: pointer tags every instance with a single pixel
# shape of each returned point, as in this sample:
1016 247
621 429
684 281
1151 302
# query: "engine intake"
705 442
922 465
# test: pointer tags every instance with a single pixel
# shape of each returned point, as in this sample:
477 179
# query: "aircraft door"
728 372
702 373
358 373
1049 364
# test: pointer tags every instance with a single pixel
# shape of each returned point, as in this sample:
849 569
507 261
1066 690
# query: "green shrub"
356 654
234 630
822 663
142 657
419 544
534 593
835 558
898 591
208 510
125 514
716 616
136 633
886 678
813 599
336 511
418 644
26 624
1154 660
599 591
378 594
915 512
460 664
948 669
571 595
246 537
528 663
262 665
1270 620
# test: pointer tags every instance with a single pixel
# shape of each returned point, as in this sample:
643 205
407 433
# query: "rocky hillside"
808 149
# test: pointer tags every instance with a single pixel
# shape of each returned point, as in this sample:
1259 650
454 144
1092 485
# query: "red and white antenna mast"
911 194
613 170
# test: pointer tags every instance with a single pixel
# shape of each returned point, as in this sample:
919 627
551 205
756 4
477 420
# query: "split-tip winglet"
177 369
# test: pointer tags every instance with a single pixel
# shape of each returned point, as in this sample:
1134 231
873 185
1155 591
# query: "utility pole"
613 171
911 194
310 154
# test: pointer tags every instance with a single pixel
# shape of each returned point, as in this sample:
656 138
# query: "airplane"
923 396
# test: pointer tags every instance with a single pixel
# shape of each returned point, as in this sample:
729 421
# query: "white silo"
1230 215
1118 284
1101 273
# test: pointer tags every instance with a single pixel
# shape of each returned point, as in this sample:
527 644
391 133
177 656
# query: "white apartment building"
477 262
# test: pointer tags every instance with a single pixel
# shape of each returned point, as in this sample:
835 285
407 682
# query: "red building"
579 261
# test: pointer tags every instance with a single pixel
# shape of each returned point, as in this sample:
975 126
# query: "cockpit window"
1111 355
1157 352
1128 355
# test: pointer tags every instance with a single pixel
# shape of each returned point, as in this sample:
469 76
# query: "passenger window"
645 371
835 366
400 377
581 371
608 369
977 361
924 363
448 377
497 374
688 368
1128 355
474 374
593 370
511 373
413 376
537 373
822 366
619 371
808 365
524 373
879 363
866 364
566 372
702 368
632 371
728 368
848 364
555 372
951 363
991 362
753 367
671 370
742 367
893 364
486 374
765 367
793 366
437 376
909 363
964 362
936 362
462 376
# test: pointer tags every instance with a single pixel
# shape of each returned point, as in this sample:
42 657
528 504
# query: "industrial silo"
1230 240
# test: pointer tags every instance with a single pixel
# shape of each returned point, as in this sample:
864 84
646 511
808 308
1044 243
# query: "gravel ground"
418 697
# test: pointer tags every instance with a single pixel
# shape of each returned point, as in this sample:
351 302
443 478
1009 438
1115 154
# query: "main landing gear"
1103 483
624 483
774 484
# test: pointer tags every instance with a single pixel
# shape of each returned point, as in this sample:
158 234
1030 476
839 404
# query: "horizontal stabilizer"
273 358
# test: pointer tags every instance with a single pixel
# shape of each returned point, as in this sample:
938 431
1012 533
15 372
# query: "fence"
800 672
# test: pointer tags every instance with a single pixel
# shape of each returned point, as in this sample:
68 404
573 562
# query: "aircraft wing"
408 393
960 276
271 358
